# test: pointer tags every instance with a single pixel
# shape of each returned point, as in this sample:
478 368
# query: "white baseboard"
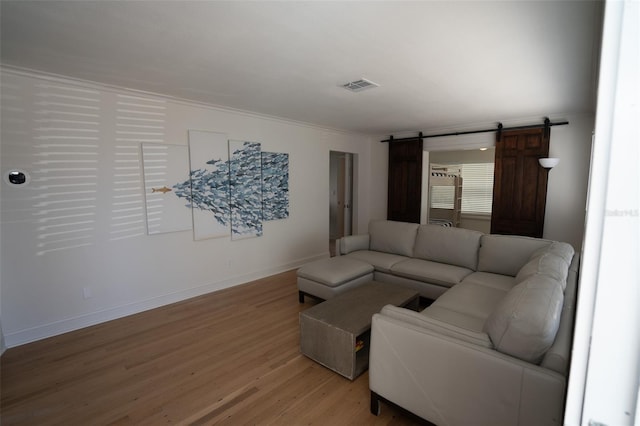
3 347
70 324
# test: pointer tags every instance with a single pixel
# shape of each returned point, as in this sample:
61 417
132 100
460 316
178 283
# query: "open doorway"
460 188
340 197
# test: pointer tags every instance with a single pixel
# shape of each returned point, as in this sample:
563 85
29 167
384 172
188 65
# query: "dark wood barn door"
520 183
405 180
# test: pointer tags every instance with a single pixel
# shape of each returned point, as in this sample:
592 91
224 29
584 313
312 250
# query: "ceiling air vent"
360 85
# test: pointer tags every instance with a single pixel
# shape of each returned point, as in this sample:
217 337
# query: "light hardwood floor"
230 357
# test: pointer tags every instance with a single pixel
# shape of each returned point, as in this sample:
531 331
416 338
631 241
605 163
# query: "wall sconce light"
548 163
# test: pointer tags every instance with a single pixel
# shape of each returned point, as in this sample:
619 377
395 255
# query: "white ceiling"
438 64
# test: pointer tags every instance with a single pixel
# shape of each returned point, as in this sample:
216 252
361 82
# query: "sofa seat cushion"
392 237
334 271
525 323
470 300
487 279
431 272
447 328
454 246
455 318
380 261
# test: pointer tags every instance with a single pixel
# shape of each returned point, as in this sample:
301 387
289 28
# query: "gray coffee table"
336 333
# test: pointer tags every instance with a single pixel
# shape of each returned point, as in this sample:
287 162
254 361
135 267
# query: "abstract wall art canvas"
245 188
275 185
163 166
207 190
217 187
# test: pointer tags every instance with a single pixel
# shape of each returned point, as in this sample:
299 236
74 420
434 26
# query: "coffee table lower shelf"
337 333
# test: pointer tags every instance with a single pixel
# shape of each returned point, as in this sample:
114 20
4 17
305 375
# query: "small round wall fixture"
548 163
17 177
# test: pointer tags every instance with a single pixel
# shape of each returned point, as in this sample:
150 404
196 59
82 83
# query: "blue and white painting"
230 186
275 185
207 190
245 189
162 166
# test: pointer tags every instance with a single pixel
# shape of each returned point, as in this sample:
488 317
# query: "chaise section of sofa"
387 243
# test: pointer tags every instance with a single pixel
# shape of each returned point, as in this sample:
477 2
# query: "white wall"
424 203
464 156
568 181
378 180
3 345
51 254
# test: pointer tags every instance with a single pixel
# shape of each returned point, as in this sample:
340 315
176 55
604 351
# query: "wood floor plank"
229 357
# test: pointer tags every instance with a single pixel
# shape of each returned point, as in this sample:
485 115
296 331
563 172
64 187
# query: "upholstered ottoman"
326 278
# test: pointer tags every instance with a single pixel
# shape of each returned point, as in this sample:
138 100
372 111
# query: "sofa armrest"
351 243
451 382
558 356
435 325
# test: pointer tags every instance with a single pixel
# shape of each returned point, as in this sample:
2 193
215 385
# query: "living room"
70 266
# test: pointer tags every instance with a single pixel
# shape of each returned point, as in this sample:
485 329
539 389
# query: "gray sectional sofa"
494 346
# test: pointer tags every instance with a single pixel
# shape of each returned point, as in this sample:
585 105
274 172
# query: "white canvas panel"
164 167
209 191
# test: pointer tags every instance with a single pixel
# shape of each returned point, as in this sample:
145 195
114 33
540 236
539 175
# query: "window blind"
477 187
442 197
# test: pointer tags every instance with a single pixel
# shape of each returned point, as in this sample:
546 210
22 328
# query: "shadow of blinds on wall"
66 139
138 120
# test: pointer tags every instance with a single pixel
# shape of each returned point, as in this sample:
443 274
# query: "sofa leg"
300 296
375 404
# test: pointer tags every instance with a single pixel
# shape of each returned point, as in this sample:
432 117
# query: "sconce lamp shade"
548 163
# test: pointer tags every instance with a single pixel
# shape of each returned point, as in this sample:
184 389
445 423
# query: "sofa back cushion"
525 322
392 237
553 260
557 248
506 254
545 264
454 246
